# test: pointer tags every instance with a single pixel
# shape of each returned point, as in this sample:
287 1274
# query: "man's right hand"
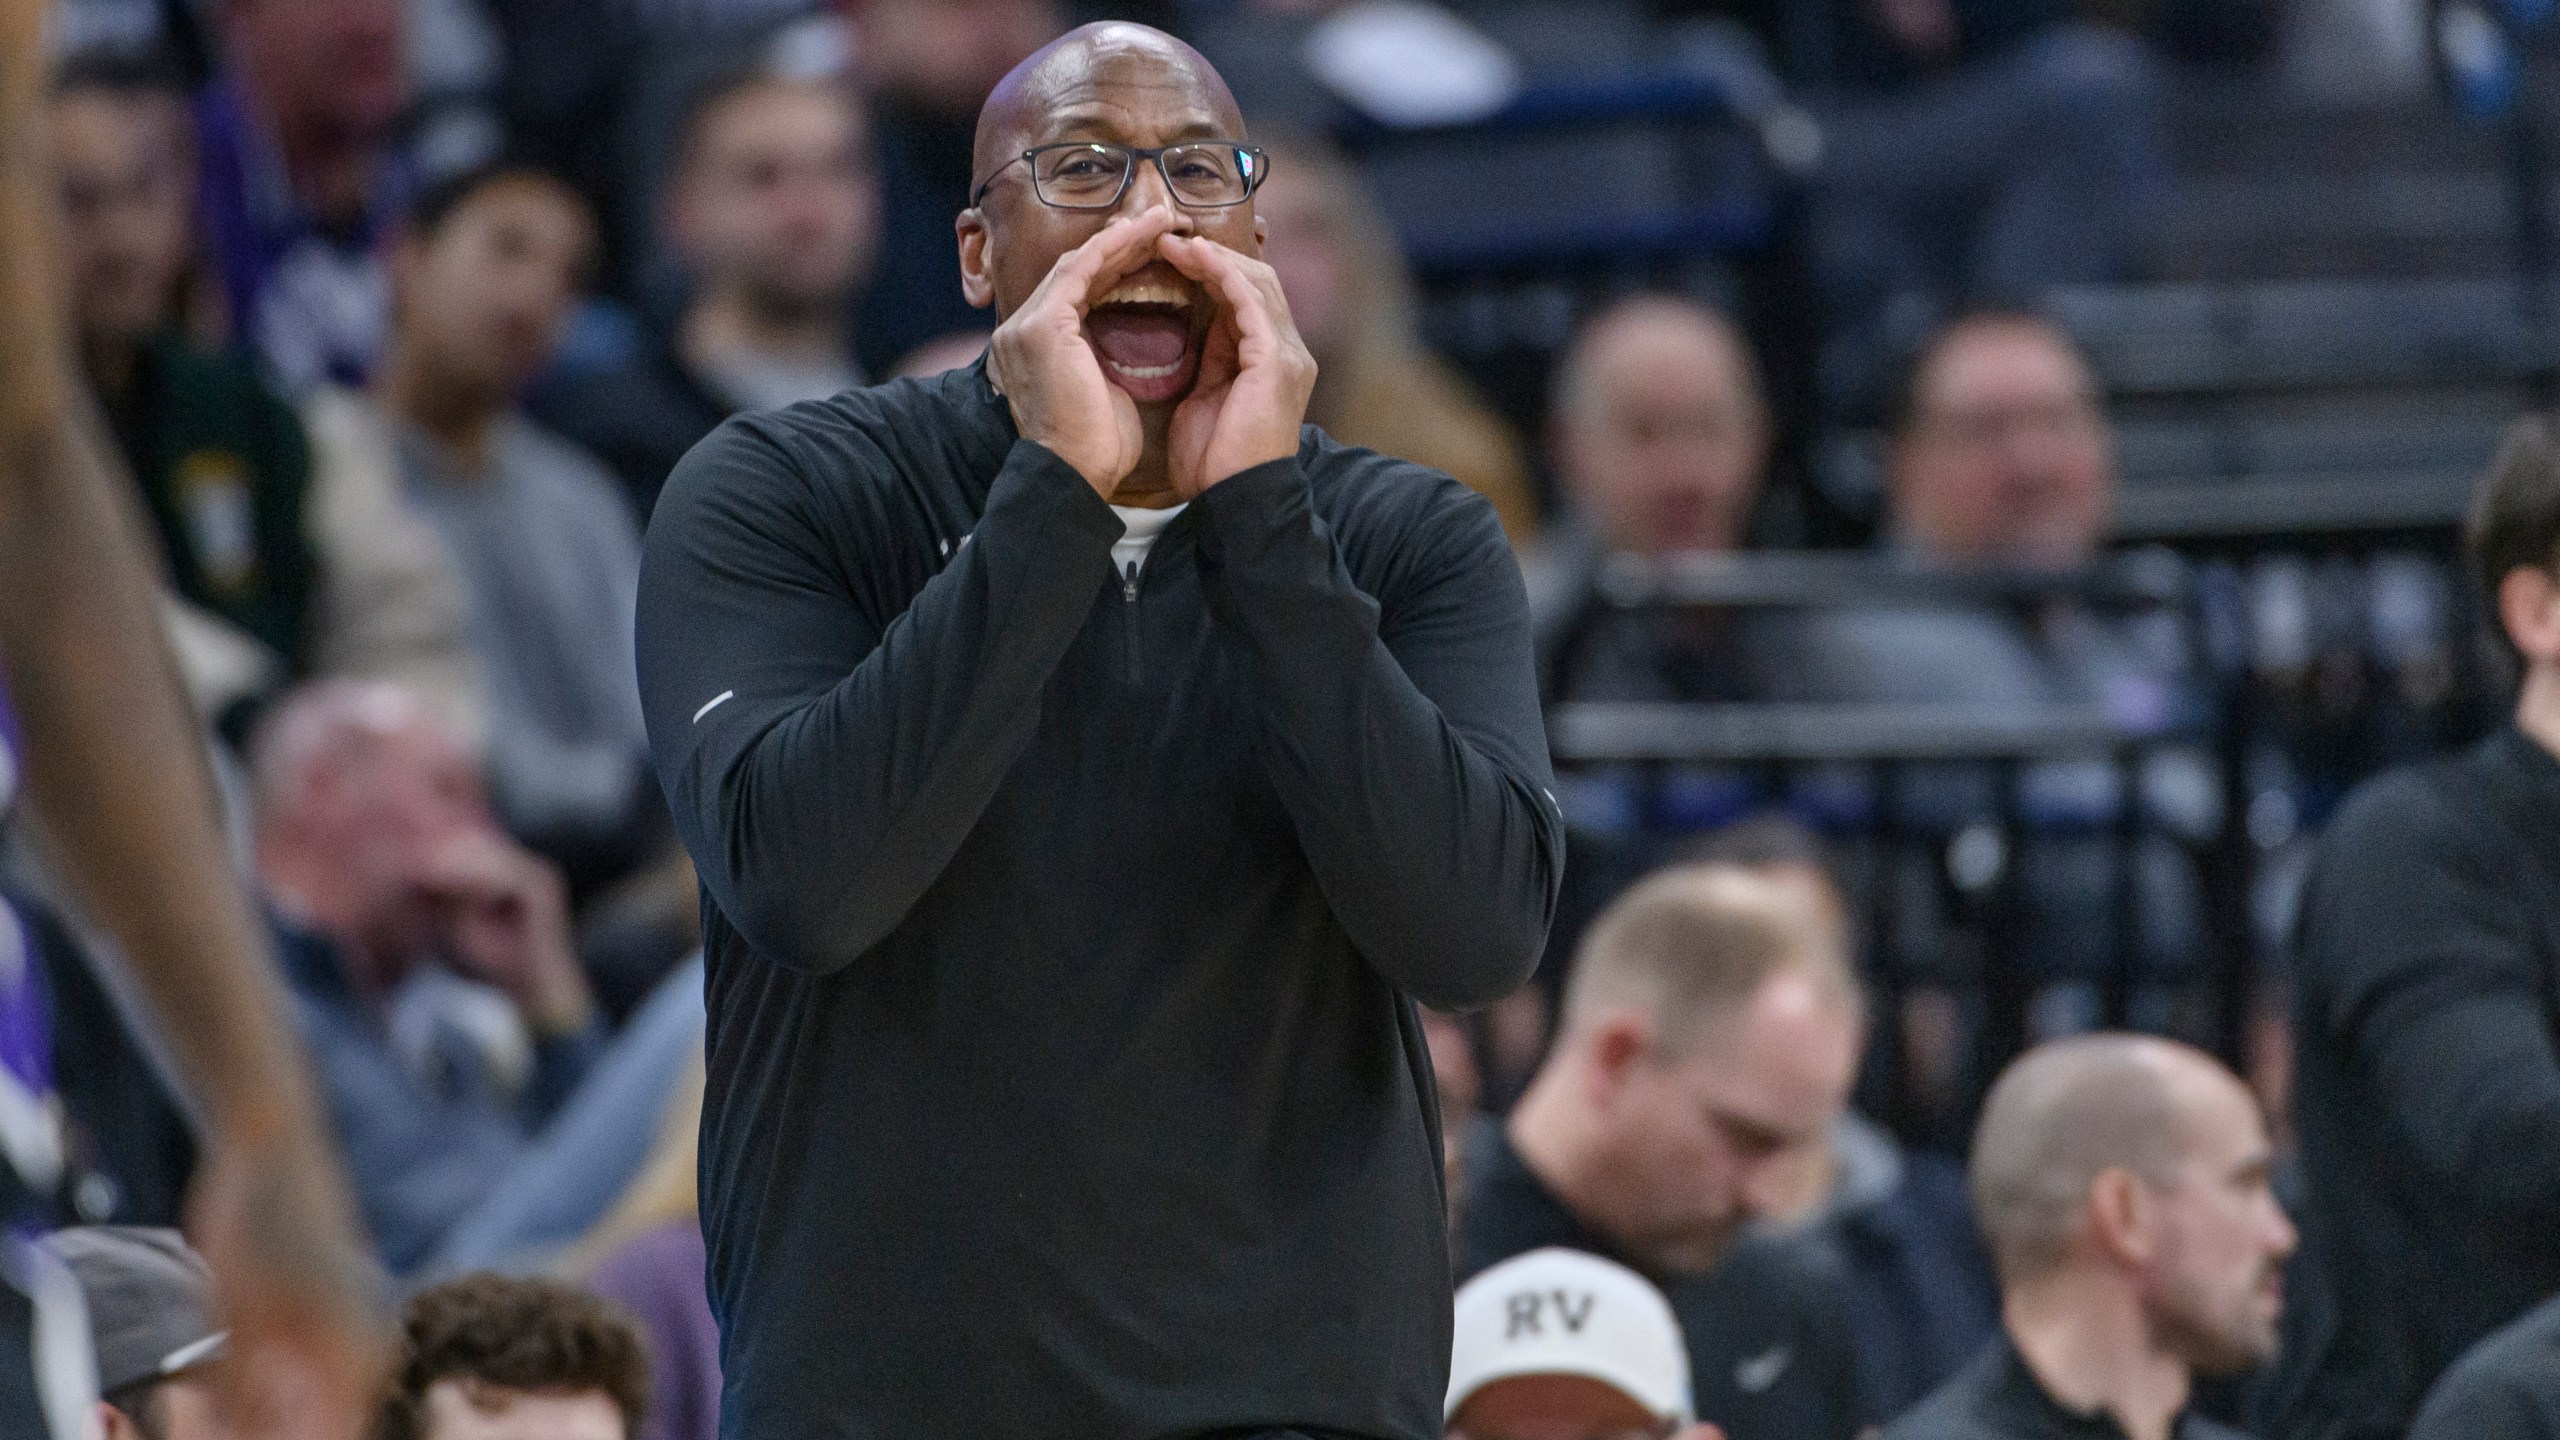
1047 370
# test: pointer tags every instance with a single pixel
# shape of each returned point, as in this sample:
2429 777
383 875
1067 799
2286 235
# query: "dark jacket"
1998 1398
1063 1078
2507 1388
223 468
2426 1084
1922 1301
1770 1353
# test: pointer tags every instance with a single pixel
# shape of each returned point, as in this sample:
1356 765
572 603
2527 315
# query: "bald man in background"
1088 765
2122 1185
1659 437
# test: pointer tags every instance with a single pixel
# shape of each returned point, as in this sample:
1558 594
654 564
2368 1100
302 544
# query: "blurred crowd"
399 312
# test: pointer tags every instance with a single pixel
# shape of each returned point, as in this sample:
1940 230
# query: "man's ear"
977 260
2122 1217
1616 1043
2529 606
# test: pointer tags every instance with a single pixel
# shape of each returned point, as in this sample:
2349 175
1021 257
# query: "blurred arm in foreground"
116 778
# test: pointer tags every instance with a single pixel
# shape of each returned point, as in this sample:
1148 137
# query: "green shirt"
223 467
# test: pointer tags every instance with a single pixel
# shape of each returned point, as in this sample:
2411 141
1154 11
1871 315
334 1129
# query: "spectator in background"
1709 1038
1352 298
376 846
549 556
2427 1024
220 461
2001 453
1660 435
1560 1345
150 1304
287 541
927 65
303 181
1896 1222
2507 1387
2123 1185
378 853
493 1357
2001 460
773 210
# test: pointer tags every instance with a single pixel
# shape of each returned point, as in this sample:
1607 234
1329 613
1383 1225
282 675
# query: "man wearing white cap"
1561 1345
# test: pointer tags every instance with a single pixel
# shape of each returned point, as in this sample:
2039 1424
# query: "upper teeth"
1147 292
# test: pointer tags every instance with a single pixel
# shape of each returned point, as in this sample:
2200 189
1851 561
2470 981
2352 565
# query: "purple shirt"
30 1137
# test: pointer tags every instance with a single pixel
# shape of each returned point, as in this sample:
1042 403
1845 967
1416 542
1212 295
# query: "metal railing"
1981 855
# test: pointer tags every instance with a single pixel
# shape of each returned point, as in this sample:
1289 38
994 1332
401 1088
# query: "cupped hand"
1047 370
506 920
1255 373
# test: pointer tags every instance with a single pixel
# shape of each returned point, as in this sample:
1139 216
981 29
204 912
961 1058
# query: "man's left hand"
1255 375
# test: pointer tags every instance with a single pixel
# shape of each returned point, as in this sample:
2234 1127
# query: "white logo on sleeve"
714 703
1755 1373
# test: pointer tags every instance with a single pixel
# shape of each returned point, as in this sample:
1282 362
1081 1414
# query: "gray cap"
150 1301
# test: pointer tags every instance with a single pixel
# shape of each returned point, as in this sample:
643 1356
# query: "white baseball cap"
1564 1312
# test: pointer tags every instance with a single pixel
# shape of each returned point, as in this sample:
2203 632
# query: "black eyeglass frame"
1260 171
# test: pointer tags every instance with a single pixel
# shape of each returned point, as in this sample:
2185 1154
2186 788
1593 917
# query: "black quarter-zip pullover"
1063 1080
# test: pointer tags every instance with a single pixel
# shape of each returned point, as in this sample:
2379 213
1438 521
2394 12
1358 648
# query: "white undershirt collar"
1129 552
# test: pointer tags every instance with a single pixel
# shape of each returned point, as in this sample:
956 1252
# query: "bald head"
1650 331
1660 428
1084 74
2069 1111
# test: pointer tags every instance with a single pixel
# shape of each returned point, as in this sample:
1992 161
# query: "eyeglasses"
1081 175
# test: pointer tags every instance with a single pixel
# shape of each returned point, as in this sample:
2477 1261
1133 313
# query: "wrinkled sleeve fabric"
2416 933
1402 731
824 761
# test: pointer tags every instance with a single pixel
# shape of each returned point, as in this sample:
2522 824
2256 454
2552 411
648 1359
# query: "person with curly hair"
498 1357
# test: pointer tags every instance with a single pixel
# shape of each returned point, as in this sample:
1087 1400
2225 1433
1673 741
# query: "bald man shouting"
1088 765
2122 1185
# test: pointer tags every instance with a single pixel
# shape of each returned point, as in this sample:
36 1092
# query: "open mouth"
1146 332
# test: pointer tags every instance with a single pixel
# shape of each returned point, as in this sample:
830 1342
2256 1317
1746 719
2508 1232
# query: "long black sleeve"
1405 743
824 761
2424 951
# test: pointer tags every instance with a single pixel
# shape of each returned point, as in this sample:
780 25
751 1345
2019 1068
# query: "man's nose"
2282 1237
1757 1191
1147 191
